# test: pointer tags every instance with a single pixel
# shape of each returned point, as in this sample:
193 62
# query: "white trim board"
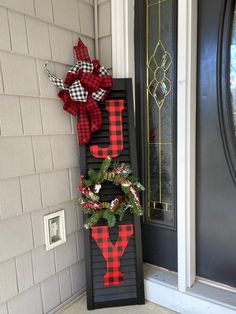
186 141
122 29
187 302
122 32
161 287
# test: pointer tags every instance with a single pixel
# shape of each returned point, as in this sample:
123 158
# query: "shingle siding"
39 160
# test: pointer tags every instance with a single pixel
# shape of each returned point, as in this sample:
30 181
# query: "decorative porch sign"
113 252
113 249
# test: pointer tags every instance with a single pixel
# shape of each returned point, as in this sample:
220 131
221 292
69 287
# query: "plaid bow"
112 252
86 83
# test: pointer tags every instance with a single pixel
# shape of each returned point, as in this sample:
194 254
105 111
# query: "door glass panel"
160 92
233 71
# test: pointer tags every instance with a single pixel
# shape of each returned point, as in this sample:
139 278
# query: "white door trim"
186 139
123 66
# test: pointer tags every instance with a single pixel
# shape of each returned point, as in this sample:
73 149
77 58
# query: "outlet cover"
54 228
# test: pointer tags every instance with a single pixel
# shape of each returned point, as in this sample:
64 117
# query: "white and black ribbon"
54 79
76 90
98 94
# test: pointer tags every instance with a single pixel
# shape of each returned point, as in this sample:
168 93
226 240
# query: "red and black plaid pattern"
91 81
70 106
83 125
106 81
95 114
112 252
96 66
82 51
71 77
115 108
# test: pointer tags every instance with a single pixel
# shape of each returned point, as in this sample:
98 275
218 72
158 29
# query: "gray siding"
39 164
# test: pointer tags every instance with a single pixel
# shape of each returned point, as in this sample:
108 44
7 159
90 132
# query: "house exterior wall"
39 163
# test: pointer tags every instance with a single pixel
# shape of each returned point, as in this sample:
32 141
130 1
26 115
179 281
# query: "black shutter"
132 290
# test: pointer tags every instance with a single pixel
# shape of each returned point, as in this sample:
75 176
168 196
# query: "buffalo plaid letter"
115 108
112 253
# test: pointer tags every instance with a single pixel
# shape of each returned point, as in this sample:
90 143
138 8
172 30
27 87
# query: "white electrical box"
54 228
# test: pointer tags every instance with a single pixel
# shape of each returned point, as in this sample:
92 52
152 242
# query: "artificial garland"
120 175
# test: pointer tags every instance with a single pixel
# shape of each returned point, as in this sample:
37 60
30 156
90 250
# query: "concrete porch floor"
79 307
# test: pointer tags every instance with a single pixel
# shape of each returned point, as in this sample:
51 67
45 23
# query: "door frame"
182 292
122 16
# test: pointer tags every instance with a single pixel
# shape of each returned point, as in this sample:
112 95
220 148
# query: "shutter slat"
114 297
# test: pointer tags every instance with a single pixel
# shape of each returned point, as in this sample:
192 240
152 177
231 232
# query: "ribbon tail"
94 114
83 126
54 79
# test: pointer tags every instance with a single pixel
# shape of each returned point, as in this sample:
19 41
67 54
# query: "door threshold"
161 287
162 275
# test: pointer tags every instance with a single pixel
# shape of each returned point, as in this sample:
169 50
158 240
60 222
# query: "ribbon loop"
78 92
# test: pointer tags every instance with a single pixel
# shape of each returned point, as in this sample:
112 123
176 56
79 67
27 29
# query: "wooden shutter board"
132 291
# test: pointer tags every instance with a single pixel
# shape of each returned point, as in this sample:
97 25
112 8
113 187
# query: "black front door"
216 141
155 63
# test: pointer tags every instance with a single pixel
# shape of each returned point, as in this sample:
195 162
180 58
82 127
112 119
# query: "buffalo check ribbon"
112 253
85 84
